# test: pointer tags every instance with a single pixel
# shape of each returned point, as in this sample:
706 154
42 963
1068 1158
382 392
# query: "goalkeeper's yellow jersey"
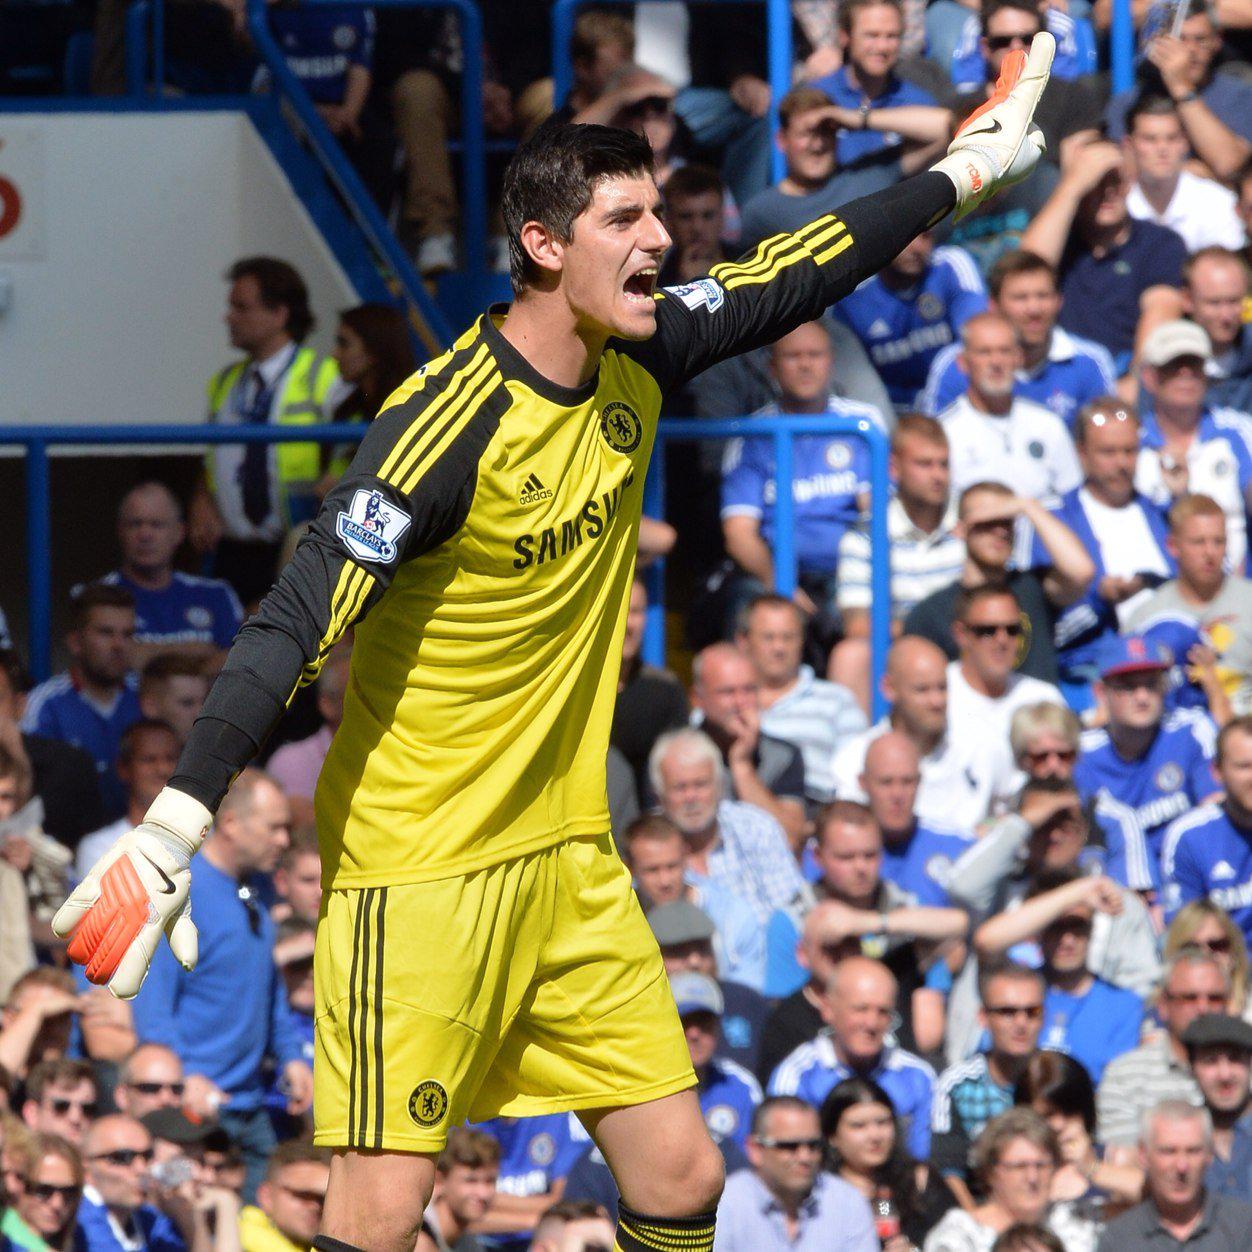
483 543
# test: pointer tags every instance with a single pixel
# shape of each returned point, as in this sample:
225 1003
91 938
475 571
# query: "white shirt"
963 780
93 846
1028 449
1127 546
1200 210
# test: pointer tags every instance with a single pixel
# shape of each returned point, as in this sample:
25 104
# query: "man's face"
689 792
1222 1071
301 990
890 786
1030 300
919 691
727 691
702 1030
921 471
104 645
1200 38
788 1154
468 1190
610 265
990 636
991 357
774 642
1215 293
1065 942
989 543
802 362
658 868
1180 384
265 828
636 621
118 1160
300 884
155 1082
1013 1014
1109 453
1193 990
250 324
872 46
850 857
149 530
1104 206
66 1109
1235 769
860 1012
10 797
12 702
696 220
587 1234
910 265
48 1199
152 761
1004 31
293 1200
1057 843
177 700
1136 701
1158 145
1048 755
695 955
608 57
808 145
1199 545
1175 1157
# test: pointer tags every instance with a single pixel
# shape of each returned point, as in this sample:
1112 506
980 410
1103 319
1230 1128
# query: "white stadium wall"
115 229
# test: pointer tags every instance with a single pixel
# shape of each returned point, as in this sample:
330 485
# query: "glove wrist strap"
183 821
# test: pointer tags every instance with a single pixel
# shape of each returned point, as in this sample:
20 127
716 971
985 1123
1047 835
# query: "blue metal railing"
1122 46
778 55
38 440
783 430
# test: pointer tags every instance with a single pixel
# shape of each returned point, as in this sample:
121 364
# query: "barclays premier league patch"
703 293
372 527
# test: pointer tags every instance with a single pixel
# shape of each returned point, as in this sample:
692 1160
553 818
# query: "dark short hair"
472 1149
1236 726
991 969
1149 105
295 1152
97 596
58 1071
14 670
1055 1079
166 665
760 1115
568 1211
280 284
1018 262
128 745
850 8
651 826
992 7
594 28
553 176
693 180
1027 1237
800 100
969 597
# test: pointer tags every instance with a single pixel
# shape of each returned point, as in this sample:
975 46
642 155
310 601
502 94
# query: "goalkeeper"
480 951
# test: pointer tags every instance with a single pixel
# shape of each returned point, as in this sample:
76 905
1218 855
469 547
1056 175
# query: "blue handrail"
1122 47
339 169
784 430
778 51
38 440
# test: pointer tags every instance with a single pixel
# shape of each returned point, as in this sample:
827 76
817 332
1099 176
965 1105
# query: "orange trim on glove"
1010 72
111 925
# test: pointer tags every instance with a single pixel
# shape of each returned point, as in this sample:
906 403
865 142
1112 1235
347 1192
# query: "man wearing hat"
1220 1048
1208 853
686 935
1189 445
1142 768
727 1092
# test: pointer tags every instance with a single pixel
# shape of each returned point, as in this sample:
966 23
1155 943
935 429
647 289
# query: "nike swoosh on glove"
999 144
115 917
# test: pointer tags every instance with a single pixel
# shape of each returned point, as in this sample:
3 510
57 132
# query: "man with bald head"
174 612
962 775
114 1213
151 1079
1216 286
760 770
858 1006
996 436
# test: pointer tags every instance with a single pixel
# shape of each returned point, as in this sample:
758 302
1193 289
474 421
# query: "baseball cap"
680 922
174 1126
696 993
1218 1028
1130 654
1172 340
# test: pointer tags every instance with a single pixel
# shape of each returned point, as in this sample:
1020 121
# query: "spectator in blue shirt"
1219 1048
1207 854
228 1018
174 612
94 701
912 309
1075 45
859 1006
1059 370
115 1215
728 1093
870 32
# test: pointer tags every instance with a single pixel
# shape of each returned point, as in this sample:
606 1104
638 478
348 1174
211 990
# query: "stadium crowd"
971 976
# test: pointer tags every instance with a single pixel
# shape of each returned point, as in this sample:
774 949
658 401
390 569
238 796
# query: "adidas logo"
1223 869
879 329
533 491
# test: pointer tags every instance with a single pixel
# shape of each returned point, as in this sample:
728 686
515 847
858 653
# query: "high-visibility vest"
302 393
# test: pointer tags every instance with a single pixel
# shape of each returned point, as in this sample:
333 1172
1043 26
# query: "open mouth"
641 284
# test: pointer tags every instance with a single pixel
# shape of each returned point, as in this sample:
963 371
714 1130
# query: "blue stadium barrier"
1122 47
778 55
38 440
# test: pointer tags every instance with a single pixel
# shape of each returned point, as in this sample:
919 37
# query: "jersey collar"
515 366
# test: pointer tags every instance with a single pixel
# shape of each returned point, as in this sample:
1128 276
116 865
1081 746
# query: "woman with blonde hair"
1205 925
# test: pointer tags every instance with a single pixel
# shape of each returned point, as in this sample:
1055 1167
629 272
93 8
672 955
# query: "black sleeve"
408 489
786 281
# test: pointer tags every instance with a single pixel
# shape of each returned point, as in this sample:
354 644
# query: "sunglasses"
50 1191
1033 1011
125 1157
247 897
793 1145
1220 944
997 43
61 1106
1046 754
309 1197
155 1088
988 630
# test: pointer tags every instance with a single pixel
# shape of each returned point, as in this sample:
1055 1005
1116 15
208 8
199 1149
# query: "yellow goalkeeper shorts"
529 987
